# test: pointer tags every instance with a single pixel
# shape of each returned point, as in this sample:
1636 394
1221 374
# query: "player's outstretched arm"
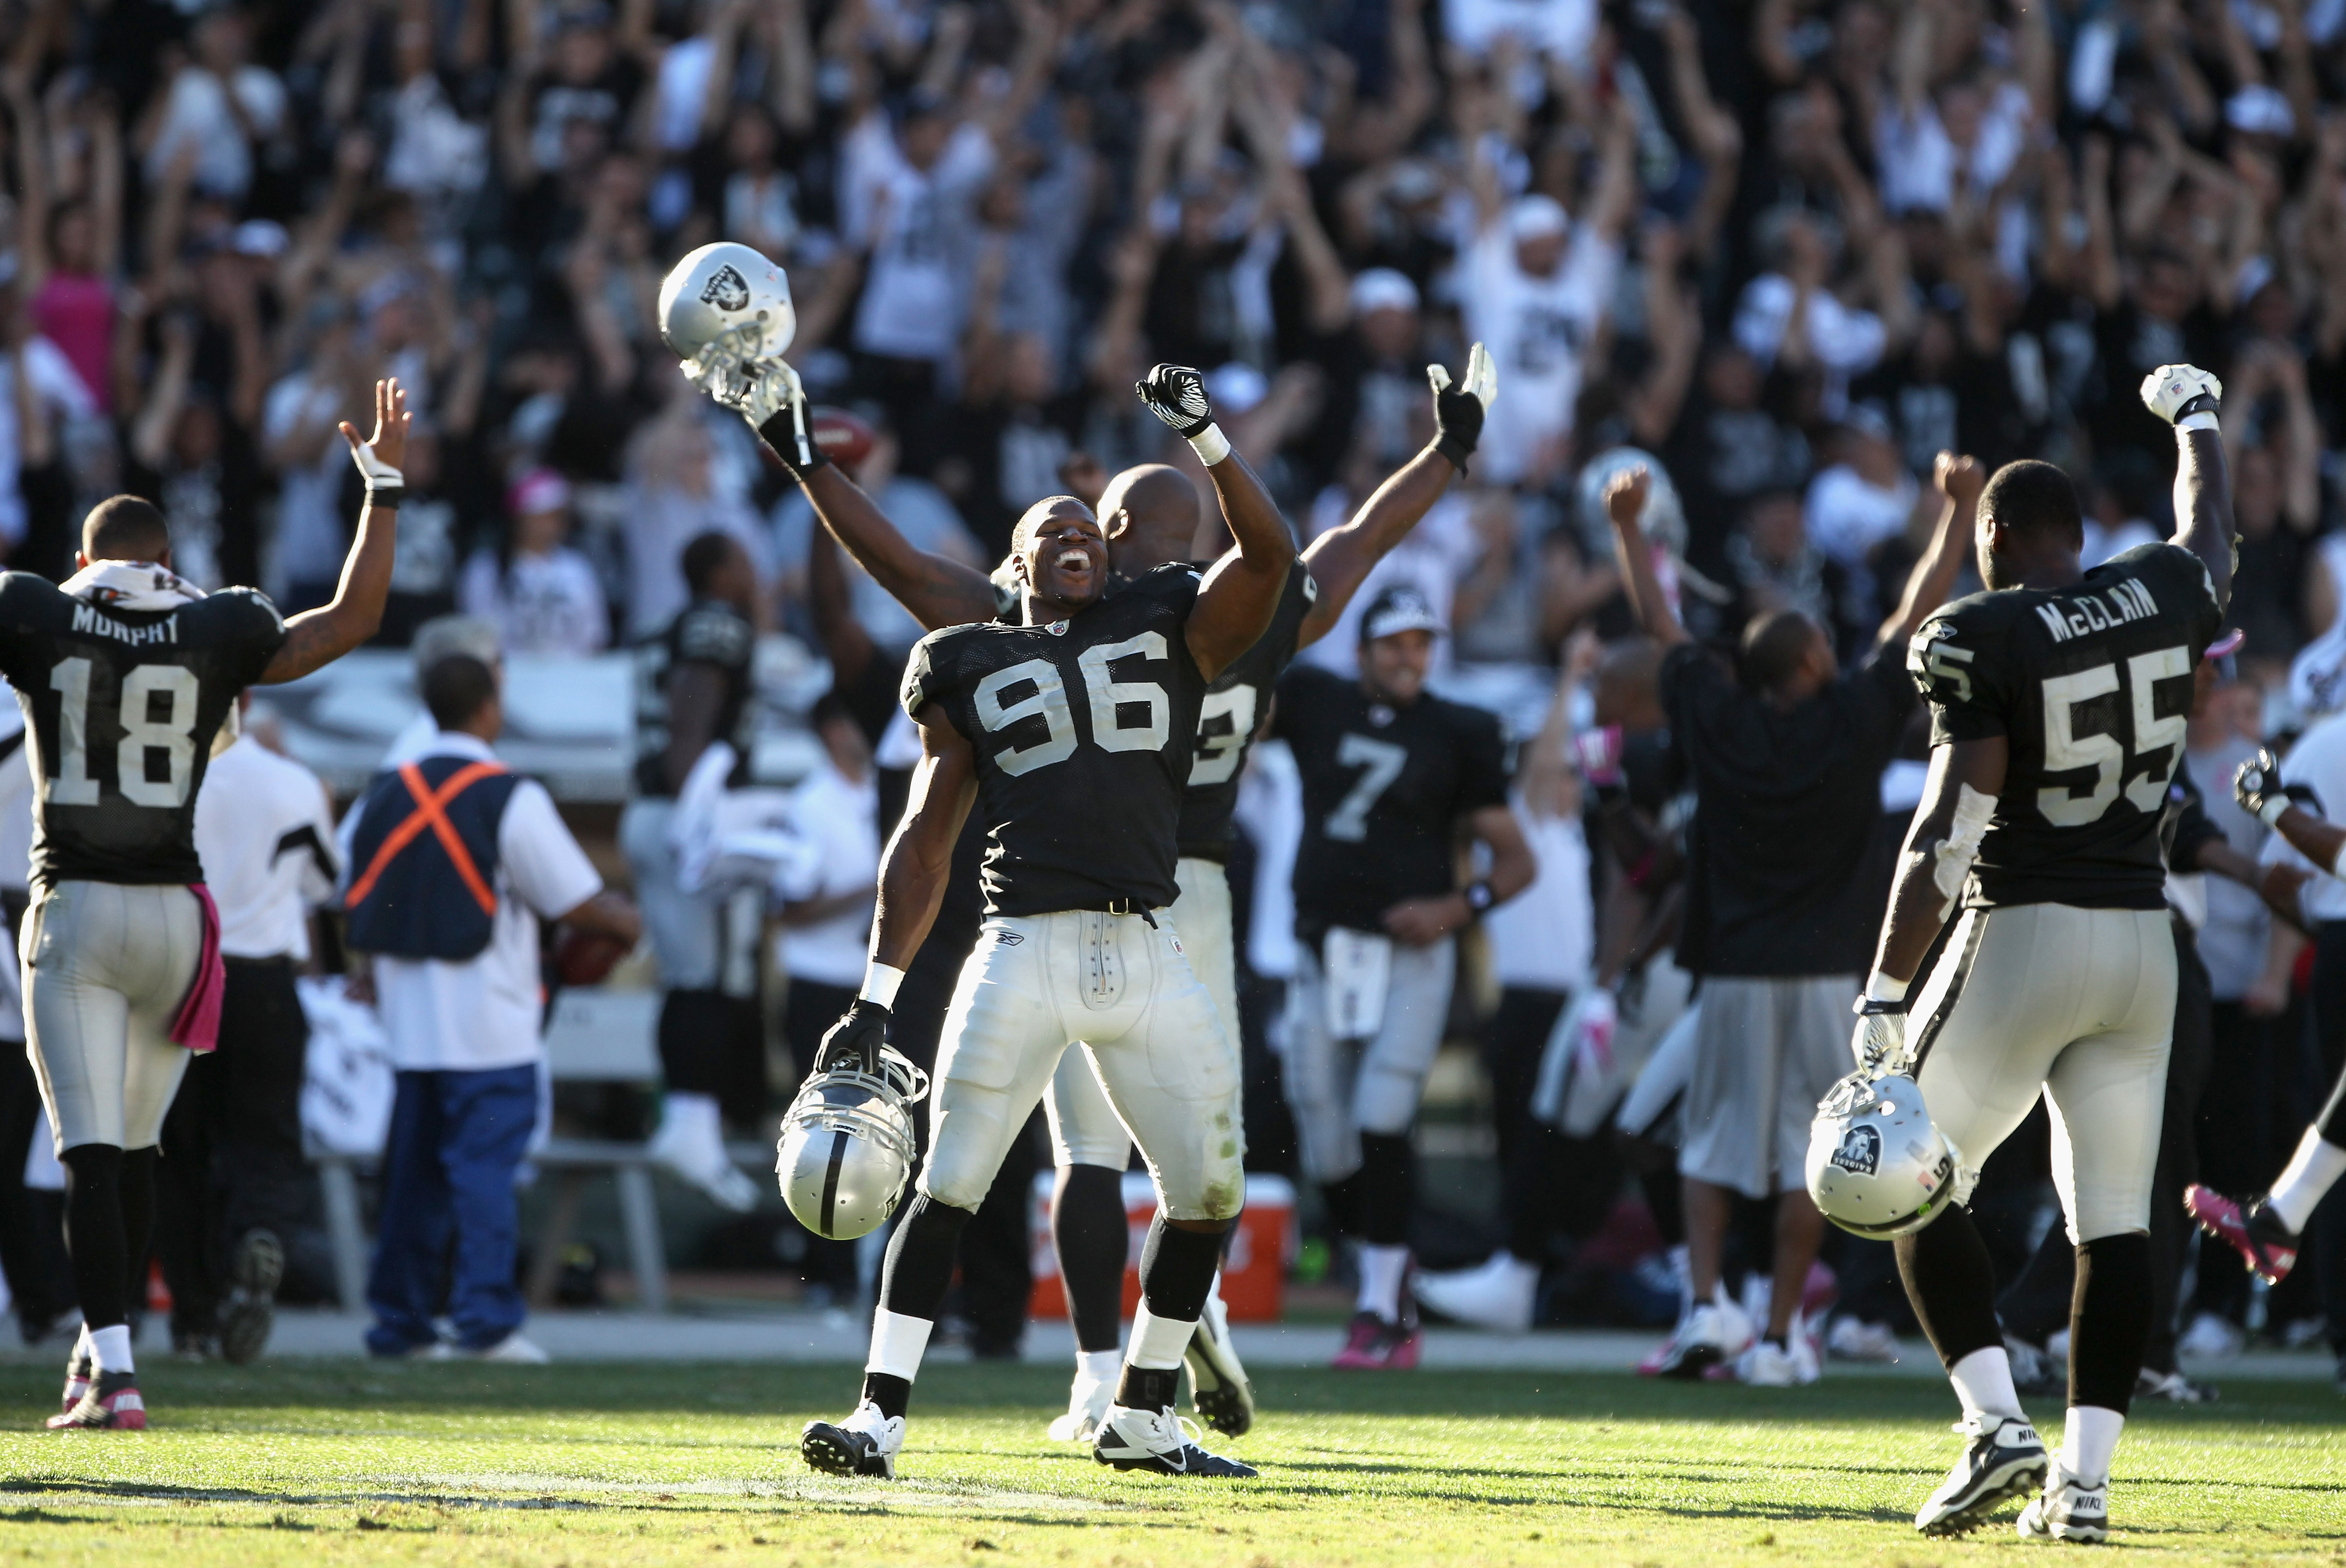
2189 398
1341 558
2292 810
1240 593
1624 503
315 638
1958 798
1960 481
920 855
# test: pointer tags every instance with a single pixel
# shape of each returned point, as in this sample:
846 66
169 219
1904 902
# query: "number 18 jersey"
2091 685
1082 730
122 706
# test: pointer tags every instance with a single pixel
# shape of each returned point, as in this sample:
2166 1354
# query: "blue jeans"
456 1139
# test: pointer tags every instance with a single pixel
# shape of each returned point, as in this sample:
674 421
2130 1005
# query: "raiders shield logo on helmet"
1859 1151
727 289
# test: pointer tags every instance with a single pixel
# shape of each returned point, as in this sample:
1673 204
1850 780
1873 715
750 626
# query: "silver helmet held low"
1877 1166
846 1150
728 299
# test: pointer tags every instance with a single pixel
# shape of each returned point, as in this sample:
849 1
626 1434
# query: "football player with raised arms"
2058 700
1070 733
126 674
1150 514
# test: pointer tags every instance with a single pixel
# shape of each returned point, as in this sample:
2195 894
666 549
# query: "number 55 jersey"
1084 730
2091 685
122 706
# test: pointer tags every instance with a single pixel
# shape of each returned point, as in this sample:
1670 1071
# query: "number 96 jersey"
122 706
2092 686
1084 730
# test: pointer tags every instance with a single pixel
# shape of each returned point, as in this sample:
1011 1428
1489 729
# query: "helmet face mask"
846 1151
727 301
1877 1166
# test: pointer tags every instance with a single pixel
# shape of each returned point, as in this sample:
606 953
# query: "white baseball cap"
1383 289
1537 216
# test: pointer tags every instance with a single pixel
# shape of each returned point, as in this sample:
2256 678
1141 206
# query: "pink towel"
197 1023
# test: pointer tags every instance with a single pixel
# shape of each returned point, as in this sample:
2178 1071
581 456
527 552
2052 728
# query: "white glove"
386 485
1482 380
1879 1043
2176 393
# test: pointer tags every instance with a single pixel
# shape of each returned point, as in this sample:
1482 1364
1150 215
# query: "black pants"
2325 1088
32 1223
808 1009
232 1141
2038 1301
1550 1183
2235 1135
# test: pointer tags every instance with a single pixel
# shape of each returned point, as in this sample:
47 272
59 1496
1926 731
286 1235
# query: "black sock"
1087 1230
1951 1281
1388 1188
1148 1388
94 1239
1176 1268
890 1392
2109 1320
137 1217
1342 1199
920 1264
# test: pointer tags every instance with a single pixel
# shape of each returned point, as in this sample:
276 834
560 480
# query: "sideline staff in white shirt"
464 1033
233 1183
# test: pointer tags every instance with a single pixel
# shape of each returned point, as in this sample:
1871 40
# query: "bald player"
1151 516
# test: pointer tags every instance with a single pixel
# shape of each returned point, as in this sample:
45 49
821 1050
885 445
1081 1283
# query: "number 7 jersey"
2091 685
122 706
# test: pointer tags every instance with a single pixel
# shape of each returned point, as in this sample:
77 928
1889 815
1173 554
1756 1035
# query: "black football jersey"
122 706
2091 685
1230 717
706 631
1082 730
1383 790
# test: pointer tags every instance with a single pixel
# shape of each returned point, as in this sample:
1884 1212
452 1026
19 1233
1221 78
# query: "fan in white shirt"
541 595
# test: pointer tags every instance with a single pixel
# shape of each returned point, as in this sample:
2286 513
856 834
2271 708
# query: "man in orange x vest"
452 859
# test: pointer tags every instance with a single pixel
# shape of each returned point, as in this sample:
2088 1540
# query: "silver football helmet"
1877 1166
1664 520
727 297
846 1149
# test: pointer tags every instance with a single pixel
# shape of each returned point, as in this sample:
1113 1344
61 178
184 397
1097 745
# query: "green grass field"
354 1463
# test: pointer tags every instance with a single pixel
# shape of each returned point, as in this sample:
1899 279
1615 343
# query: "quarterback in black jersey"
1392 776
1069 733
2058 700
125 675
1150 515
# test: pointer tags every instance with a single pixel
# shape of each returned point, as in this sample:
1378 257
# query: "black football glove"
2262 794
789 434
1176 394
855 1041
1458 411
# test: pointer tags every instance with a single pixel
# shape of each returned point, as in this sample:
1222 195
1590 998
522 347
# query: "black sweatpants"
232 1141
2325 1238
1549 1182
2235 1135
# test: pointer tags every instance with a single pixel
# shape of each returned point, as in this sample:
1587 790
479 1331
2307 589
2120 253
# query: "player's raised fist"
854 1041
1458 411
1624 495
1176 394
1958 478
379 455
2175 393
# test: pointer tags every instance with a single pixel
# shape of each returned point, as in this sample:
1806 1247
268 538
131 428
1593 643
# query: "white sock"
2317 1163
1158 1344
1099 1366
1380 1271
112 1348
898 1343
2088 1440
1983 1382
690 1115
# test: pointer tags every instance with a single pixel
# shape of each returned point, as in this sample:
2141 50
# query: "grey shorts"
106 968
1766 1050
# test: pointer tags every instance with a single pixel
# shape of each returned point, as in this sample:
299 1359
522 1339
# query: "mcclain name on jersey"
2113 606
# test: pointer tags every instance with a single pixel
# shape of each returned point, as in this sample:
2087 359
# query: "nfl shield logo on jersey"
1860 1152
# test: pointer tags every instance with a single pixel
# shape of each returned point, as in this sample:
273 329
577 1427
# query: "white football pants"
106 968
1124 991
2078 1004
1339 1089
1085 1128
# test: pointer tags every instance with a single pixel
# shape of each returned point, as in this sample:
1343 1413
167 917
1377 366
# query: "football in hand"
586 957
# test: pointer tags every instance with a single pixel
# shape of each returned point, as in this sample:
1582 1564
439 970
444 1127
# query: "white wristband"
2203 419
1211 446
880 983
1880 987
